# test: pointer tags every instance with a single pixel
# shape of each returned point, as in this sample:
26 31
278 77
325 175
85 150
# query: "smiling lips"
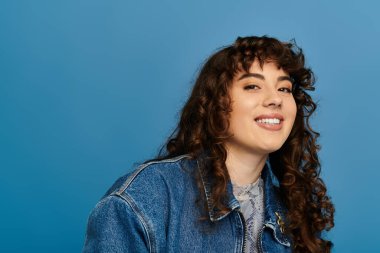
272 122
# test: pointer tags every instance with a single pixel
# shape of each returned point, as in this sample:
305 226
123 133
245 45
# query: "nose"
272 99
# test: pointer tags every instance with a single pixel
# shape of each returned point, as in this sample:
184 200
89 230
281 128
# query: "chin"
271 149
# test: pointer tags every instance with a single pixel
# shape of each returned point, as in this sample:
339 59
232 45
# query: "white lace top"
251 199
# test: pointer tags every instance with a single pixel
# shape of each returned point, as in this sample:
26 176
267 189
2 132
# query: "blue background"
88 88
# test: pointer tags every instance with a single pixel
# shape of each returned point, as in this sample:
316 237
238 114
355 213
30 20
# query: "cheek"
290 110
242 110
293 110
294 107
241 114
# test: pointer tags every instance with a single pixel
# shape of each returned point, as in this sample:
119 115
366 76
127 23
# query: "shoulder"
142 202
154 174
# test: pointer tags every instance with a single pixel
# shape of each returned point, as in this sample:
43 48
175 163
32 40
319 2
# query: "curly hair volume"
204 125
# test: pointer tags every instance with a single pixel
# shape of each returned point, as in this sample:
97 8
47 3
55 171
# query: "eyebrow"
259 76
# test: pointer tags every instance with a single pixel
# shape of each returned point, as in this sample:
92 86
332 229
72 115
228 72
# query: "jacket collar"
274 213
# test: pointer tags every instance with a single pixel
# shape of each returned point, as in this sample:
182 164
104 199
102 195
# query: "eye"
287 90
251 87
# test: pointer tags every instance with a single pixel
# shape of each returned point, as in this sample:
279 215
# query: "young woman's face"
263 109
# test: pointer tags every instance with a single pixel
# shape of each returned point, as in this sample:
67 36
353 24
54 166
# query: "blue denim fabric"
153 210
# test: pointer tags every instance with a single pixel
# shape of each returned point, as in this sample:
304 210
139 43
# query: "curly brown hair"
204 125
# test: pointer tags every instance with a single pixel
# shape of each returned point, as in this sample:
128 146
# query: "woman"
239 174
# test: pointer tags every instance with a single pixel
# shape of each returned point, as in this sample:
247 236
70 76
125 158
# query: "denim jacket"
152 209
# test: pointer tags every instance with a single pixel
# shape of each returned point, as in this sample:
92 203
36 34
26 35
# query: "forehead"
268 68
267 65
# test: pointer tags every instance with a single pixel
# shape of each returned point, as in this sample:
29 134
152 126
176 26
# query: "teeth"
269 121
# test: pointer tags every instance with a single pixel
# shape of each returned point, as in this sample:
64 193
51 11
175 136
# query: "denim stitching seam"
142 167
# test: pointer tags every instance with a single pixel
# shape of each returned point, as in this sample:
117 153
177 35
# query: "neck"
244 167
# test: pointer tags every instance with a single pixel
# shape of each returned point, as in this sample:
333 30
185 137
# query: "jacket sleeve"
113 226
